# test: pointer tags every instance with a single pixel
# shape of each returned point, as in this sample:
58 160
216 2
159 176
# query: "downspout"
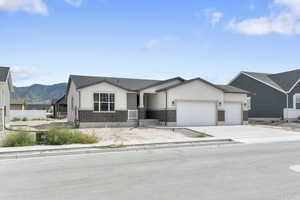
287 106
166 109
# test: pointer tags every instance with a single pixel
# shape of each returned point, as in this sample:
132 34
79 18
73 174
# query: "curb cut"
107 149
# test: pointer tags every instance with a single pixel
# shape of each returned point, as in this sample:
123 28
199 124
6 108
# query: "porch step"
148 122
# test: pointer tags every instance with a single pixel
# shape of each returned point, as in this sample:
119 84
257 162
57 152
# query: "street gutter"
17 154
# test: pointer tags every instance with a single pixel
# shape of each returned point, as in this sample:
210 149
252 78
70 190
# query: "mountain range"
39 94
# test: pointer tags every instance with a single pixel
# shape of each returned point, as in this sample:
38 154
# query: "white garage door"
196 113
233 113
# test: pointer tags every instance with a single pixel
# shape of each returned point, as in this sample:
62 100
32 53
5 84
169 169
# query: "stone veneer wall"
91 116
161 115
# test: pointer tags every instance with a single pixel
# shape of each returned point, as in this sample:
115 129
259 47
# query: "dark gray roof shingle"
264 78
125 83
4 73
286 79
282 81
232 89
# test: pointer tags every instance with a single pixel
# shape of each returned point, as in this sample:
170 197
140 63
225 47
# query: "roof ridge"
287 71
88 76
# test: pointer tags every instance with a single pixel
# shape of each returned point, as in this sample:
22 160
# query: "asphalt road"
232 172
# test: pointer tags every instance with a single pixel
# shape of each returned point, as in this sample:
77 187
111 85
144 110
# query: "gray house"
6 87
107 101
273 96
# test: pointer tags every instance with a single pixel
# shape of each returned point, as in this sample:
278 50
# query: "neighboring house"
17 104
273 96
105 101
60 108
6 88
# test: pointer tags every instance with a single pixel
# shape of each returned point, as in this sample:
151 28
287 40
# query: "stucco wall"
232 97
157 101
5 98
196 90
87 99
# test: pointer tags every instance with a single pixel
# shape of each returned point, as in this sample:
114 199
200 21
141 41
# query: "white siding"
5 98
87 101
72 93
194 91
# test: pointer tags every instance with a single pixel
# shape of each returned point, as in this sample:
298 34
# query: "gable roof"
284 81
224 88
4 72
232 89
61 100
129 84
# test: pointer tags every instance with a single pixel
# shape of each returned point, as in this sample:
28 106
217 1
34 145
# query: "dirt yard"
134 134
113 135
37 125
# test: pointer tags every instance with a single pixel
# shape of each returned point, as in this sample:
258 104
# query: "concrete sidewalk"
250 134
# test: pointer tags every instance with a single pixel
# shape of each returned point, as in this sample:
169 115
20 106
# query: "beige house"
6 87
106 101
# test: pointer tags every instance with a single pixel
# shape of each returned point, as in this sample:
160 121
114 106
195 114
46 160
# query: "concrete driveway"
250 134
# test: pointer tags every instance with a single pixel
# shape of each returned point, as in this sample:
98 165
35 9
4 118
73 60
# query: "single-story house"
6 88
17 104
60 108
105 101
273 96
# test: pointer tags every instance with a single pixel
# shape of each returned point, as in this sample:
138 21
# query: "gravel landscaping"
116 135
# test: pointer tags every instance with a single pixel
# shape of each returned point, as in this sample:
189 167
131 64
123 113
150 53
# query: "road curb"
107 149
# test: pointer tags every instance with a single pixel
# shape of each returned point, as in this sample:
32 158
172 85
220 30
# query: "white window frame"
249 103
108 102
295 99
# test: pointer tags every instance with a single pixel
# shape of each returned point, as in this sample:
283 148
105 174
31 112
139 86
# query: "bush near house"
55 136
60 136
19 138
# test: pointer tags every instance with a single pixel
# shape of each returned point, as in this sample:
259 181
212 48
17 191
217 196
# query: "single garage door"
196 113
233 113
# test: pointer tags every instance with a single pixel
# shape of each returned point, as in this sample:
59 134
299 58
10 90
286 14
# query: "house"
273 96
105 101
6 87
17 104
60 107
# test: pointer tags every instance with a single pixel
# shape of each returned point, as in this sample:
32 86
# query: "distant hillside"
40 94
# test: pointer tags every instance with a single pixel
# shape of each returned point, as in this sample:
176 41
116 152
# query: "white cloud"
150 44
213 16
26 75
286 20
252 6
75 3
29 6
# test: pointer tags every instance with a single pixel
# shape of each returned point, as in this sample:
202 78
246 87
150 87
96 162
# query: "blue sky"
46 40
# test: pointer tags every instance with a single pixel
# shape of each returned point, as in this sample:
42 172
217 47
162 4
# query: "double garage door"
205 113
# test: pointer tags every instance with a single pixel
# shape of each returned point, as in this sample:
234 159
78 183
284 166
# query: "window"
249 103
297 101
104 102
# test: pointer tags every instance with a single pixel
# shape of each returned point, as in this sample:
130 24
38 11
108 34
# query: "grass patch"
60 136
18 139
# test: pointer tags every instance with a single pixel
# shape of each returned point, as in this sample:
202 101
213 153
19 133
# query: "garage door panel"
196 113
233 113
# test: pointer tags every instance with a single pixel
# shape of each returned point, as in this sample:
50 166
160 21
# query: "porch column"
142 111
142 100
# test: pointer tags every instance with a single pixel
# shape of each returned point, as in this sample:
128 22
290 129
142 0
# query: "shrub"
19 138
24 119
60 136
16 119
